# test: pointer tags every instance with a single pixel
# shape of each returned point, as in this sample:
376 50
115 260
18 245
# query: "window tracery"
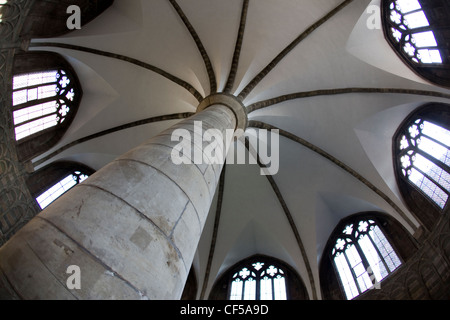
425 159
41 100
259 281
362 256
410 28
418 31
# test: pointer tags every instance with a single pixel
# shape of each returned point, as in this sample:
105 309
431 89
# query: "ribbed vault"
288 64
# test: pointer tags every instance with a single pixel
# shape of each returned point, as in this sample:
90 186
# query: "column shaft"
132 228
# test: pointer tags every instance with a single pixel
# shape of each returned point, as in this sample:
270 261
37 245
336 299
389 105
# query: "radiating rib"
201 48
245 92
139 63
215 231
308 94
237 49
288 214
326 155
112 130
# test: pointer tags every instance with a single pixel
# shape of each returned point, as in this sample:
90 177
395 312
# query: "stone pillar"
132 228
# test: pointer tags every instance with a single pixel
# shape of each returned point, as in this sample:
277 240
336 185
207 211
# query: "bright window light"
406 6
270 280
363 256
421 47
430 56
416 20
40 101
60 188
2 2
424 39
424 142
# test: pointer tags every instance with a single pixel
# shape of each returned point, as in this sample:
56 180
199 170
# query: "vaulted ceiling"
347 94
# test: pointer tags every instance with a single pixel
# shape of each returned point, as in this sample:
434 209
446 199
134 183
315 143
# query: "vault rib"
289 217
129 125
201 48
237 49
215 231
246 91
136 62
326 155
326 92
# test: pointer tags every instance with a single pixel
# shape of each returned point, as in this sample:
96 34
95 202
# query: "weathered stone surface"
132 228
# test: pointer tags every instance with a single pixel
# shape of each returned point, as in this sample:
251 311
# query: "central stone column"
131 230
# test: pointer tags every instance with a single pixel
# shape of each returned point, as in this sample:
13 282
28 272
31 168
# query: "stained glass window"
259 281
363 257
60 188
424 157
41 100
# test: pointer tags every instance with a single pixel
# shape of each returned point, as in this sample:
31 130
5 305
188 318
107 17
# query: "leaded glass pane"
33 79
279 284
35 126
436 132
429 188
385 248
266 288
236 290
250 289
416 20
434 172
421 46
60 188
427 141
36 111
374 259
36 95
406 6
435 149
345 274
363 258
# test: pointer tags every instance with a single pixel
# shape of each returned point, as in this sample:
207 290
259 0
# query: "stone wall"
17 206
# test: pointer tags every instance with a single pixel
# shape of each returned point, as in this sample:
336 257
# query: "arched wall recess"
370 46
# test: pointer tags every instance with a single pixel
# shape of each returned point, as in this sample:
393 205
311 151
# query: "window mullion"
362 255
437 162
273 287
243 289
35 102
36 86
413 11
355 279
432 180
378 252
434 140
36 118
258 288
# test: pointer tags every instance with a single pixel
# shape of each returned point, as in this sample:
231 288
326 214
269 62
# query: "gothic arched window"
45 97
418 32
362 256
422 159
49 183
60 188
425 159
259 277
259 281
41 100
363 250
